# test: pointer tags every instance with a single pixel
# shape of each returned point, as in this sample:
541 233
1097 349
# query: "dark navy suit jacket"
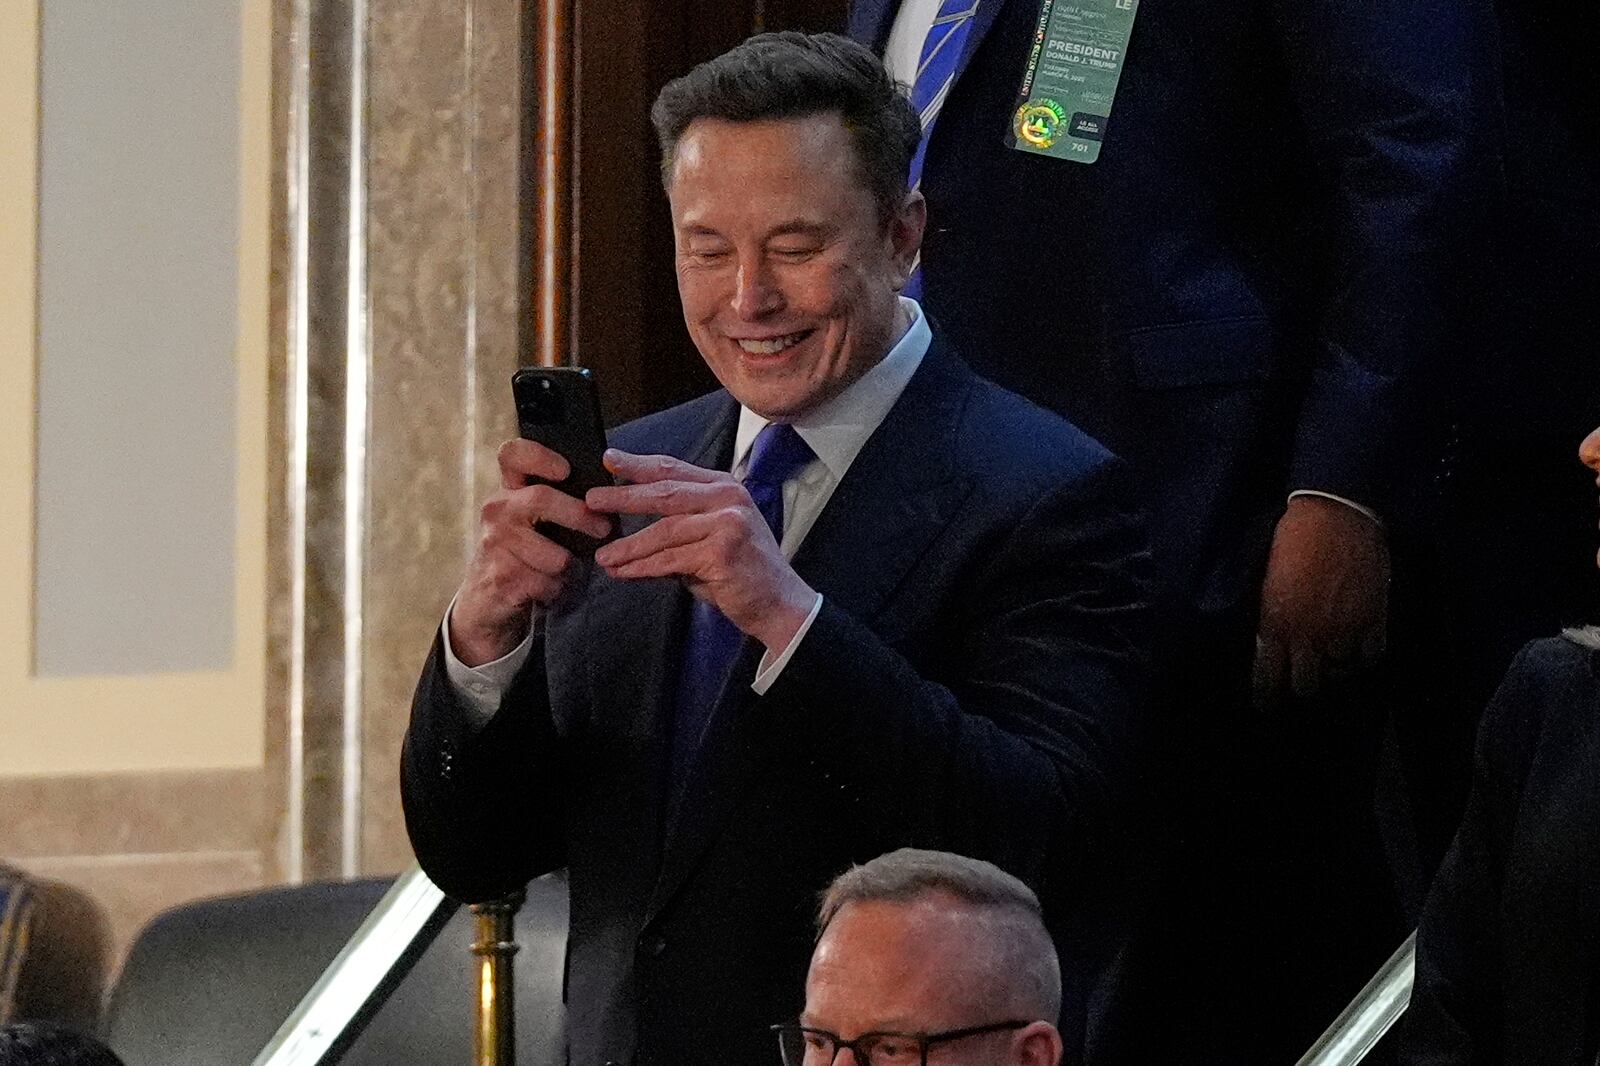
1508 950
1252 290
973 682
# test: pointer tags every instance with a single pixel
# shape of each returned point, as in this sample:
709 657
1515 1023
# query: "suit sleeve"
1394 101
1016 742
1457 998
484 802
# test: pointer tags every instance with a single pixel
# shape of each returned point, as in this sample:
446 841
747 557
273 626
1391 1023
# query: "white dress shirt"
836 430
903 53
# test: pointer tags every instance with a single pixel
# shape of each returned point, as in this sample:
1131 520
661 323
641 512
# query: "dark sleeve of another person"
1457 999
1393 98
484 804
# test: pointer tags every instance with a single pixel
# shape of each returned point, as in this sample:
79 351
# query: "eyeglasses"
804 1046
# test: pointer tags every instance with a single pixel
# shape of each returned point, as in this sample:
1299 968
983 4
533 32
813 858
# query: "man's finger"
543 503
670 532
667 497
537 553
521 459
644 469
677 561
1267 677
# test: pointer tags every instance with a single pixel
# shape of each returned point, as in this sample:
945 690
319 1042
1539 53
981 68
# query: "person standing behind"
1252 295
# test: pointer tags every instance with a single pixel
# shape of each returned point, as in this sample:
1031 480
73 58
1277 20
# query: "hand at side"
1324 600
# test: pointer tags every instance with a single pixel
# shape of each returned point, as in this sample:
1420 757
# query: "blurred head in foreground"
47 1044
925 957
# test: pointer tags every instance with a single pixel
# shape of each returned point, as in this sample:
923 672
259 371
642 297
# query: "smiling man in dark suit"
863 599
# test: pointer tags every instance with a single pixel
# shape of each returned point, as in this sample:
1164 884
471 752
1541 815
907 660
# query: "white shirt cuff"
767 672
481 688
1369 512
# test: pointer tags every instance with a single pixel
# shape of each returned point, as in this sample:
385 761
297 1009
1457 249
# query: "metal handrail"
1375 1009
354 985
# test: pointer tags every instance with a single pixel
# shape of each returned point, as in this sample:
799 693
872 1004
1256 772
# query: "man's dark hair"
48 1044
796 75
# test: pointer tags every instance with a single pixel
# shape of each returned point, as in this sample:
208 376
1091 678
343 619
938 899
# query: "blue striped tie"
941 52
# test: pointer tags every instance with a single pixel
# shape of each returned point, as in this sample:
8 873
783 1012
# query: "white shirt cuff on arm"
768 672
481 688
1369 512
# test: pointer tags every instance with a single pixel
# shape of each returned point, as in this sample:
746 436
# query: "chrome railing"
367 967
1375 1009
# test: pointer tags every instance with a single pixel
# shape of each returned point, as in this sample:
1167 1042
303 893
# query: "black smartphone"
559 407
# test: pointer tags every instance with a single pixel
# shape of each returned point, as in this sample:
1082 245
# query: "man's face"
788 277
917 967
1589 452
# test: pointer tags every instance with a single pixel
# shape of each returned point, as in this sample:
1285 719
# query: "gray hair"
797 75
1023 954
1587 636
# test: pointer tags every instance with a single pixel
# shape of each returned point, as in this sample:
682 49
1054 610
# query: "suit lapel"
982 23
870 23
896 497
899 493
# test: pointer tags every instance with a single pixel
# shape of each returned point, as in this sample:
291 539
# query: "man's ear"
1037 1045
905 231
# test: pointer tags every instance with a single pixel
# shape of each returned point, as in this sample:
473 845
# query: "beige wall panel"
442 169
200 720
116 813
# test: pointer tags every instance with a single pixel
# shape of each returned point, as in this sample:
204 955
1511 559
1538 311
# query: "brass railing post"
494 1038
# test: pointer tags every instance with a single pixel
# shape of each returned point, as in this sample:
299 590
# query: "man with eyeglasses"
927 958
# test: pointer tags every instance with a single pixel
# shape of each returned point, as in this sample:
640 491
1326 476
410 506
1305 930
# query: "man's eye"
893 1050
794 254
707 255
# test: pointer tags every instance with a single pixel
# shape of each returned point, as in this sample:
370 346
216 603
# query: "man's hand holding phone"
710 536
514 569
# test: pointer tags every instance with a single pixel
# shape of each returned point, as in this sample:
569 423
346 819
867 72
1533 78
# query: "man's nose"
755 292
1589 451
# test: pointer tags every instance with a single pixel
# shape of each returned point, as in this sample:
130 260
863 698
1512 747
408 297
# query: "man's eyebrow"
801 226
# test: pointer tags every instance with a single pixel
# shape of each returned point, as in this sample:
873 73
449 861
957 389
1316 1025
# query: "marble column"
443 113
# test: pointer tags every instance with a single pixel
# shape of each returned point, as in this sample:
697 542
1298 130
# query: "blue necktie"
712 642
941 52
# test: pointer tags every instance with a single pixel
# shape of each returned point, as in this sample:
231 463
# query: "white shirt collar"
839 427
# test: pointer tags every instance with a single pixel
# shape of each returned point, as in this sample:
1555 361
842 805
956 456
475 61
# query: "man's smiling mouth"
772 345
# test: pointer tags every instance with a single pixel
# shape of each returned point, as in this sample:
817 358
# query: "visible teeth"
771 347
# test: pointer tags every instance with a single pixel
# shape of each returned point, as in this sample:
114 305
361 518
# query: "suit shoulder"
1551 687
674 431
1006 438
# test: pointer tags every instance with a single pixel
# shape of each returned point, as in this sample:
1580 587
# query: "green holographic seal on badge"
1071 79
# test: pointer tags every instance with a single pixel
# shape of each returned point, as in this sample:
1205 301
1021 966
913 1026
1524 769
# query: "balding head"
929 942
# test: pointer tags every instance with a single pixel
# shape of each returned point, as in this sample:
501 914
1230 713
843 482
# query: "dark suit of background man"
942 647
1250 296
